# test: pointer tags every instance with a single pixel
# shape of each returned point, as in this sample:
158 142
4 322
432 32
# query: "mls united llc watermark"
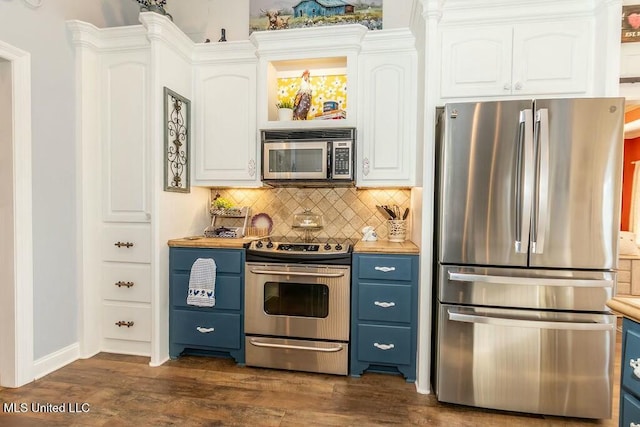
68 407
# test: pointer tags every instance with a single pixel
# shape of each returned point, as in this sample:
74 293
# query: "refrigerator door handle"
530 281
537 324
541 199
524 181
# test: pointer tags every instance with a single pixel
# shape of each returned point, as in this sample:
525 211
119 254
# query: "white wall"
42 33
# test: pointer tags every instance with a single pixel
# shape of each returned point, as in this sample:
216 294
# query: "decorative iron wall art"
177 114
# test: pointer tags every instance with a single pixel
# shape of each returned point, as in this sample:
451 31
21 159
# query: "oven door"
295 160
297 301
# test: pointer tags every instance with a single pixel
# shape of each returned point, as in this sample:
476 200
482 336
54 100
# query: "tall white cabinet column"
125 219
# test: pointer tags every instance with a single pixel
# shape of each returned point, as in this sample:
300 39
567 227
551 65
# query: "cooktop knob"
338 247
327 247
270 244
259 244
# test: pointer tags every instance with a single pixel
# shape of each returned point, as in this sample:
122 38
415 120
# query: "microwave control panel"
342 159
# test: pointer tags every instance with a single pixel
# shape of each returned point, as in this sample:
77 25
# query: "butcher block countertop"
209 242
627 306
386 247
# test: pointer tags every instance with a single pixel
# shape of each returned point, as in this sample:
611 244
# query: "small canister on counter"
397 230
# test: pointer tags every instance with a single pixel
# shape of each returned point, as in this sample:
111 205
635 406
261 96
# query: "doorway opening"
16 246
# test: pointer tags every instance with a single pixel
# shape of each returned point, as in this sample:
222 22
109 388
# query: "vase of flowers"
156 6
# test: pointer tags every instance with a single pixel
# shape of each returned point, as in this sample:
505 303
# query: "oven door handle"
296 347
297 273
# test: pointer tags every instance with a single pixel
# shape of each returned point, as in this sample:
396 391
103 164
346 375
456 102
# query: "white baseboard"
56 360
155 365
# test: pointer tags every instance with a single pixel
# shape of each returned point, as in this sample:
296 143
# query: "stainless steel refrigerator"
527 220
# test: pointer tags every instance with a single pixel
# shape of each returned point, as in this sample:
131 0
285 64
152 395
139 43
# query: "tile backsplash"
345 210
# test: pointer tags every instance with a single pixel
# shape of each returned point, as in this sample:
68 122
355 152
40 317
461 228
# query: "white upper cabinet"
225 141
126 195
387 110
523 59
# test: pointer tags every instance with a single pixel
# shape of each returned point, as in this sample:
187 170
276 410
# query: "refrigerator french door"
527 219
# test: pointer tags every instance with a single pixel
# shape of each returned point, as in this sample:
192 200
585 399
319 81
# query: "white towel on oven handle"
202 283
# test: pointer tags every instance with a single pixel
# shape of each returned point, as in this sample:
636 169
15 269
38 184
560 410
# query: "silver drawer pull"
632 424
125 284
384 269
122 323
125 244
383 346
384 304
205 330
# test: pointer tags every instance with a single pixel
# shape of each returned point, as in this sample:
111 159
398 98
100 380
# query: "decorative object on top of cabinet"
285 109
269 15
630 23
156 6
177 114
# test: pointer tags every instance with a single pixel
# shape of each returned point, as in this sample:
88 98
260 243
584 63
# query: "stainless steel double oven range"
297 299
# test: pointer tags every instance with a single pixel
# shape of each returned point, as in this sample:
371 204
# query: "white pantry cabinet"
225 140
387 110
522 59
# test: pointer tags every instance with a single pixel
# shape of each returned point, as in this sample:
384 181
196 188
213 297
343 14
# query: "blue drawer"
228 291
629 410
385 267
384 344
631 349
227 261
193 328
384 302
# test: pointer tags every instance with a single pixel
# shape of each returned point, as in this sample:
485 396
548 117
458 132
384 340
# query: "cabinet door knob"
384 304
507 86
125 284
383 346
518 86
125 244
122 323
204 330
384 269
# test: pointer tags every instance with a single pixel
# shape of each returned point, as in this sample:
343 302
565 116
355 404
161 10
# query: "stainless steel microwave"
309 157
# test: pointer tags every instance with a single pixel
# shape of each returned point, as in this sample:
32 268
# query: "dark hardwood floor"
123 390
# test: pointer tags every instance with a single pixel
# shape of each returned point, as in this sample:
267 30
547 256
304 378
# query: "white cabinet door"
387 126
125 115
476 61
525 59
551 57
225 151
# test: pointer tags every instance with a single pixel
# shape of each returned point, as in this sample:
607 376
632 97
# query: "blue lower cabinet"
629 410
217 330
384 314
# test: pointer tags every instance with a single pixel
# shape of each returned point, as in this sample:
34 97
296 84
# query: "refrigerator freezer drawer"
552 363
526 288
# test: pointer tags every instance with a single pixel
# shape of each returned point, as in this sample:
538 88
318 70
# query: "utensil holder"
397 230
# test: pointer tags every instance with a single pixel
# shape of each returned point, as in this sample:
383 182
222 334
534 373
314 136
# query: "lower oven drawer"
297 355
554 363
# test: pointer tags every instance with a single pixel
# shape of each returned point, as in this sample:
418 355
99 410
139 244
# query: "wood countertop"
386 247
627 306
208 242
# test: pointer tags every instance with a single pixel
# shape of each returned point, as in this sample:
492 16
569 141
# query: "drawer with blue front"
199 328
227 261
384 344
384 267
631 356
228 291
629 410
384 302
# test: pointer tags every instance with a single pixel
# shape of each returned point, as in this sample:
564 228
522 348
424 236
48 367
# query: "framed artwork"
177 114
268 15
630 24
